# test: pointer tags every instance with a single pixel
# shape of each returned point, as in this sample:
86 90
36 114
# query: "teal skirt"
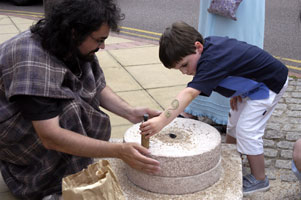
249 27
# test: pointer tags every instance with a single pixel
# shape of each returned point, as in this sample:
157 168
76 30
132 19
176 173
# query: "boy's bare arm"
177 106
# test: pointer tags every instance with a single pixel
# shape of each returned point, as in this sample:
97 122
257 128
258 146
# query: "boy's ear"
198 46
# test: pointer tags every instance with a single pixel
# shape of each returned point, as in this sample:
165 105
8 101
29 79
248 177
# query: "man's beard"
88 57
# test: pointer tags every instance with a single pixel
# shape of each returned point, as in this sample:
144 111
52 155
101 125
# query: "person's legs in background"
213 110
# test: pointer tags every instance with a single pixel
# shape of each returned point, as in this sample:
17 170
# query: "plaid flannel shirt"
29 169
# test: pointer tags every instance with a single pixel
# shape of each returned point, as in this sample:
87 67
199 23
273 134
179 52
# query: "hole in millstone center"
171 135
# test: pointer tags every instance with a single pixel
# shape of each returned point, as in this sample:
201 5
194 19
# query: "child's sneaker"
251 184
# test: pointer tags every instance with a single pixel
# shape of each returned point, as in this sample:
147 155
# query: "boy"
253 78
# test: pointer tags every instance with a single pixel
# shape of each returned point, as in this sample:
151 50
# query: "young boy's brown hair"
177 42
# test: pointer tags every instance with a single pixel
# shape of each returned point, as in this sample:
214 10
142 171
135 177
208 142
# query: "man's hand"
114 103
234 101
138 112
135 156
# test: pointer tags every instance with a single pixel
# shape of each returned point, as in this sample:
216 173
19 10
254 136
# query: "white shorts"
248 122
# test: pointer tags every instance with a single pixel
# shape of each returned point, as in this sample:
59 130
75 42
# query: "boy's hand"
152 126
234 101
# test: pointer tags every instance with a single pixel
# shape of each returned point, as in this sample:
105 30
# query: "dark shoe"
251 184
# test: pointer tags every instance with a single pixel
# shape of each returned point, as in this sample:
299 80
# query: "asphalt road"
148 18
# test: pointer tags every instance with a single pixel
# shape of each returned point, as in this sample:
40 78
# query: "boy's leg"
257 166
247 127
230 139
238 127
233 118
249 131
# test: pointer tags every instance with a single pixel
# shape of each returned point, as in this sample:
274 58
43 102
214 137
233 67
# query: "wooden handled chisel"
144 141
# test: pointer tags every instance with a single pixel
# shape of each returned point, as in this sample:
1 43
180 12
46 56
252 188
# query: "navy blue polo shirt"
231 68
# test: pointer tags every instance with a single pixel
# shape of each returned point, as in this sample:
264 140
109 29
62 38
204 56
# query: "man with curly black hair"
51 87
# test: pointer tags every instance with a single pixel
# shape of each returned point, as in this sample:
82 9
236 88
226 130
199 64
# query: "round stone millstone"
189 155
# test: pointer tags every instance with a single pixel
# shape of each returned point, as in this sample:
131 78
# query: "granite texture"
185 147
174 185
189 156
229 186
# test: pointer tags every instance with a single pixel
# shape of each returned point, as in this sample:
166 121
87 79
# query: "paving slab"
8 28
117 40
4 20
137 56
137 98
24 27
156 75
6 36
20 21
165 95
117 132
106 60
120 80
